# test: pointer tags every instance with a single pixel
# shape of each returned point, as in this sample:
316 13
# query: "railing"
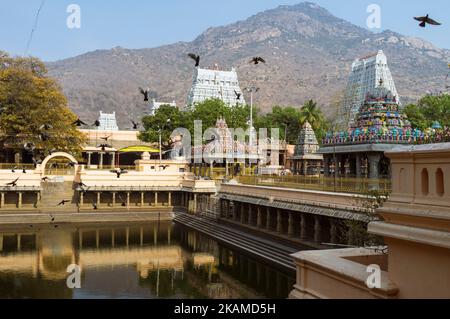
109 167
10 166
328 184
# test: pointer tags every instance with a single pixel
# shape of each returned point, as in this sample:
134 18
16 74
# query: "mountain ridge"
309 53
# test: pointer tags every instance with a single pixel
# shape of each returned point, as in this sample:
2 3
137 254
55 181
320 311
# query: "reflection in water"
156 260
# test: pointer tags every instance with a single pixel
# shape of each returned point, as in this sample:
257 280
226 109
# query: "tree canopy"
428 110
238 116
33 110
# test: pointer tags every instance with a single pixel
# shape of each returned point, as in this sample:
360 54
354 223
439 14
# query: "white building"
107 122
367 73
154 106
215 84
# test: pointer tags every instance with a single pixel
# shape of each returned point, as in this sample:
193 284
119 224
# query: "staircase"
54 192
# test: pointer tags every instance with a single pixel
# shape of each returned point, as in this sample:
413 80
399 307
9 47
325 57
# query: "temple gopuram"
380 126
306 161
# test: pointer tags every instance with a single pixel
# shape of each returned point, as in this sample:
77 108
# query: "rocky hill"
308 51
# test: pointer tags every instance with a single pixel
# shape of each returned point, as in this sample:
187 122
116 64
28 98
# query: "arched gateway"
58 155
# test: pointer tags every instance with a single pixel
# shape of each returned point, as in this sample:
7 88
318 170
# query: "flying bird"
63 202
145 93
196 58
135 125
164 167
257 60
79 123
96 123
29 147
106 138
13 183
119 172
46 127
44 136
238 95
425 20
44 179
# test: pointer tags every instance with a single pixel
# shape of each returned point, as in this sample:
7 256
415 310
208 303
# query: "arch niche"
58 155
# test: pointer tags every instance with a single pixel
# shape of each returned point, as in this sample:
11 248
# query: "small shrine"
306 160
379 126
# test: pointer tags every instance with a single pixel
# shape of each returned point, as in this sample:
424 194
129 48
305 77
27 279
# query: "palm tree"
312 114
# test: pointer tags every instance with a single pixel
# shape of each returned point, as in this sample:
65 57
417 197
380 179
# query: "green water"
156 260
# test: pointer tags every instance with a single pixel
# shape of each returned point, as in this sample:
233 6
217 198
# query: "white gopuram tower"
215 84
367 73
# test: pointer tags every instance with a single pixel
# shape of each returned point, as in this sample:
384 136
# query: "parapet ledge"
344 267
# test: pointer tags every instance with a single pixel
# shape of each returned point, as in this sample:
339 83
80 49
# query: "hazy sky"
149 23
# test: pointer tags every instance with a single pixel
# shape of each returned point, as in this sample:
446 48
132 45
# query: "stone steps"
53 193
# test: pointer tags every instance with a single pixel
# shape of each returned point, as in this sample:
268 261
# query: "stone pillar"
333 231
250 215
343 161
113 199
305 168
100 165
19 201
326 166
98 199
142 199
38 199
81 199
156 199
242 214
259 218
303 229
19 242
358 166
279 222
128 199
234 215
374 162
170 199
268 219
317 229
2 200
113 159
291 225
89 161
195 204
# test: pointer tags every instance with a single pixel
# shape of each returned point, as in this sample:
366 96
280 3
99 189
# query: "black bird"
14 169
135 125
44 136
119 172
81 184
164 167
238 95
36 162
29 147
79 123
106 138
63 202
124 204
95 206
96 123
46 127
145 93
196 58
13 183
257 59
44 179
50 152
24 171
104 146
425 20
52 218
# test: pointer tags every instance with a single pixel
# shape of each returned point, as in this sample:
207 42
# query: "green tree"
28 100
167 118
311 113
285 118
428 110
